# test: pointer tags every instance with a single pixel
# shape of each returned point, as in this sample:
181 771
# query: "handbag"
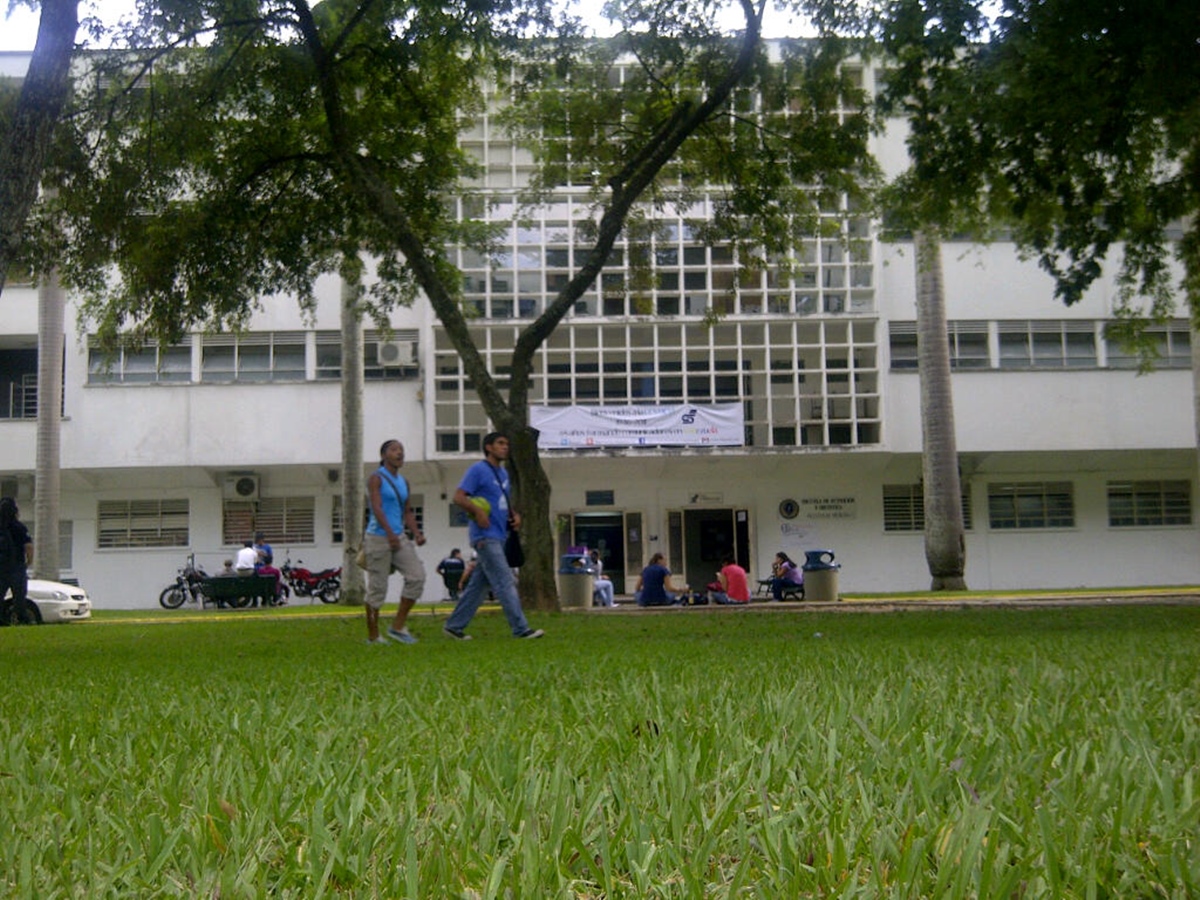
514 553
360 558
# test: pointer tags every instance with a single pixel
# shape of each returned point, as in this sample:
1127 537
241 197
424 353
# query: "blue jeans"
491 571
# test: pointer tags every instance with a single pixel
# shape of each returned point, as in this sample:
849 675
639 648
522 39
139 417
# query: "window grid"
149 364
1138 504
1027 344
1031 505
127 524
1172 344
800 383
283 520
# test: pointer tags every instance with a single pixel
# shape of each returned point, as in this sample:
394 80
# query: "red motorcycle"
325 585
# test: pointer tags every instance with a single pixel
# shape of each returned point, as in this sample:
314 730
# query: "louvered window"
142 523
283 520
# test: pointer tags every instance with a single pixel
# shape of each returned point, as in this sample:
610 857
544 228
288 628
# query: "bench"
241 590
788 592
792 592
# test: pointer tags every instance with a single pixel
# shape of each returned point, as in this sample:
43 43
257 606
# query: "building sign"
685 425
828 507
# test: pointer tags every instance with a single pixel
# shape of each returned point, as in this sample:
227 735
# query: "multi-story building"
1076 470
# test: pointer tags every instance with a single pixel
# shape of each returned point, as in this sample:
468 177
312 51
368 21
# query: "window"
272 356
124 524
904 507
1172 344
1031 505
968 345
902 338
1047 344
148 365
284 520
1147 503
392 358
329 355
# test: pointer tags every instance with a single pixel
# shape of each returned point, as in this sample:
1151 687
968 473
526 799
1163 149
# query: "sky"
18 29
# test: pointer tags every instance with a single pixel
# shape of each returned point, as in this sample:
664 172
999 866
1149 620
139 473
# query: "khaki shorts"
382 561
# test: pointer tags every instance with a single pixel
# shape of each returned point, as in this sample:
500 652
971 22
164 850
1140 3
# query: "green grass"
979 753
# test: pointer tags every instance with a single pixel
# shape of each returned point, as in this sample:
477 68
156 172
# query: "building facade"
1076 470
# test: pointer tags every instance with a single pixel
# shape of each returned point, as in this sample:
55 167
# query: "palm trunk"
353 489
48 478
945 550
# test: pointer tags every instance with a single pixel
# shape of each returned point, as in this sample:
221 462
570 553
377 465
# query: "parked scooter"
188 587
325 585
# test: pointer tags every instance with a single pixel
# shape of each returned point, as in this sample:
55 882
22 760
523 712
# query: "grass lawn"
696 753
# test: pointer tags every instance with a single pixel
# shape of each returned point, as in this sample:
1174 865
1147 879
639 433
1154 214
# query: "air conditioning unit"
396 353
241 487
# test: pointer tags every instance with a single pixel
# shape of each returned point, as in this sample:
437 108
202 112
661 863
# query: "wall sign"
789 509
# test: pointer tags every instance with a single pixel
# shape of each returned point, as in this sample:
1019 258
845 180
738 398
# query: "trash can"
820 575
575 581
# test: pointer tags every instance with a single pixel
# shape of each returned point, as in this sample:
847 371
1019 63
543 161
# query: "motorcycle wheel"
330 590
172 597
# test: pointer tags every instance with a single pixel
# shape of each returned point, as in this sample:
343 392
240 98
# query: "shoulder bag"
514 553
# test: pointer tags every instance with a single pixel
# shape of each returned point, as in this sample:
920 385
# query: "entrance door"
605 532
699 538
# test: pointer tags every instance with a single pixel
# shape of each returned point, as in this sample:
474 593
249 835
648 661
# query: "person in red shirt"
735 587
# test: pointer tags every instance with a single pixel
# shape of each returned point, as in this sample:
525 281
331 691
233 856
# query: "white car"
57 602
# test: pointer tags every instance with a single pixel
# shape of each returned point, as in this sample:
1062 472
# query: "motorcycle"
325 585
188 587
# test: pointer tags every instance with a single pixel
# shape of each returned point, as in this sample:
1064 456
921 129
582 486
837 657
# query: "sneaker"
531 633
379 640
456 634
402 636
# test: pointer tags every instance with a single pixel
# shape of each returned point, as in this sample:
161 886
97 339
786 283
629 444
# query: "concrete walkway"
1187 595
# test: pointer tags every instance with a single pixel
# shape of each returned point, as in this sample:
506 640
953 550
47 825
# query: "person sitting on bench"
789 577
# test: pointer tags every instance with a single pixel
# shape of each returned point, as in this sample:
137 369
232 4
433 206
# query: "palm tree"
48 477
353 487
945 550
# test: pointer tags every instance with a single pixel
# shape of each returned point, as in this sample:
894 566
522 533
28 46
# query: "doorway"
605 532
697 540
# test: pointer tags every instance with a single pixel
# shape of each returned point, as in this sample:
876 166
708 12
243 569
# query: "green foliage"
984 753
1075 124
211 166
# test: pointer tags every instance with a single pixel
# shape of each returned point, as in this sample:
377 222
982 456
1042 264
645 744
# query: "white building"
1076 470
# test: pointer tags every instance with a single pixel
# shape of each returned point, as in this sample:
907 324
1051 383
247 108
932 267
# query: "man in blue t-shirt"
487 530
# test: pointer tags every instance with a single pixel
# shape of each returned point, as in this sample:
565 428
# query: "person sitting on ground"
247 559
602 586
654 586
733 584
786 575
451 569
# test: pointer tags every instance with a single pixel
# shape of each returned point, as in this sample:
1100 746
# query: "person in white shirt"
247 557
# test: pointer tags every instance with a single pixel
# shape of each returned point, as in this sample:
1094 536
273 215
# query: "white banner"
685 425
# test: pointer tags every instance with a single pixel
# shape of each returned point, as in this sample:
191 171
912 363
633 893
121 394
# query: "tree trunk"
511 415
531 494
945 550
47 487
353 489
27 141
